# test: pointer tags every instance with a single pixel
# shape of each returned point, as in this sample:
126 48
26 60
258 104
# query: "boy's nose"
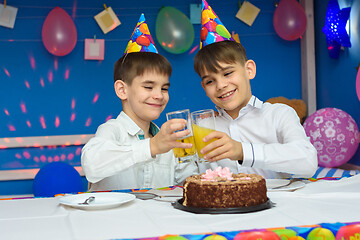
158 95
221 83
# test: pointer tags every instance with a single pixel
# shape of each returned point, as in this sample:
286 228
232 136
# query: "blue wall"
60 97
335 78
278 64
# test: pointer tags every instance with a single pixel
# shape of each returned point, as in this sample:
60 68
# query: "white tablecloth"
44 218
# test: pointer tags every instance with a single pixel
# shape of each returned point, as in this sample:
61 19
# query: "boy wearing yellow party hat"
252 136
131 151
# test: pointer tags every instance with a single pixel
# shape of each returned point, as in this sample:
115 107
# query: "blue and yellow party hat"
141 40
212 30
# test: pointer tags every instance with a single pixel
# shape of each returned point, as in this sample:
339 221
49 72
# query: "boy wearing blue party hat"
252 136
131 151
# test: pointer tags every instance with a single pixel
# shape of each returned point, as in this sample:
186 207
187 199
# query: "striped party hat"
212 30
141 40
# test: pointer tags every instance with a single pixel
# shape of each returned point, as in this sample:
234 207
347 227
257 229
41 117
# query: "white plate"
102 200
271 183
293 186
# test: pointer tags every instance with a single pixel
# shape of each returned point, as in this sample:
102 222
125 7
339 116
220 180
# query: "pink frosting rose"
219 172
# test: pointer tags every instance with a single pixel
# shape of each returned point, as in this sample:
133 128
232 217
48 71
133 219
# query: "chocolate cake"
219 191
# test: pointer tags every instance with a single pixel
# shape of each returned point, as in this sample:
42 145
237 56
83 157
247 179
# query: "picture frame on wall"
107 20
7 16
94 49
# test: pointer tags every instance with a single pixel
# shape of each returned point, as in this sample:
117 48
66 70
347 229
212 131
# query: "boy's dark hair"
137 63
209 57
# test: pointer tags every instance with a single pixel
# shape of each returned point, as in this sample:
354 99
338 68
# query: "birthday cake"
222 189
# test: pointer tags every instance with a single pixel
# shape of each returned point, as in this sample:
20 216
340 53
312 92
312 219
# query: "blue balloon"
55 178
136 34
142 18
218 21
152 48
210 38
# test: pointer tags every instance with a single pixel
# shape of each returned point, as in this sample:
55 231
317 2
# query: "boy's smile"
155 105
227 95
229 88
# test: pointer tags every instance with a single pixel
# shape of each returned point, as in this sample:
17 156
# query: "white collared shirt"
118 157
273 141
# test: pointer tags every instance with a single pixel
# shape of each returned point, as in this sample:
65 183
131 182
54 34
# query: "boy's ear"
120 89
202 84
250 67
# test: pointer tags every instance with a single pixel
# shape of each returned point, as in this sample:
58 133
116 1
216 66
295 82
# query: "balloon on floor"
57 178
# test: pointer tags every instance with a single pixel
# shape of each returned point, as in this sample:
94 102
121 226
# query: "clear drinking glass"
203 123
184 154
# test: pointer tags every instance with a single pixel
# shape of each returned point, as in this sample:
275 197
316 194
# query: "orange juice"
184 152
199 134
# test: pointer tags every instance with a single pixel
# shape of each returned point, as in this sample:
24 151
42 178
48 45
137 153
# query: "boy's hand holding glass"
203 124
213 145
183 154
221 146
166 138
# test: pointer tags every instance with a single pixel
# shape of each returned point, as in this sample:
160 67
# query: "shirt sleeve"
185 169
293 153
104 155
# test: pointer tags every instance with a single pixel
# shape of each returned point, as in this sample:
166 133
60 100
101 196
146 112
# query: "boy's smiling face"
147 96
229 88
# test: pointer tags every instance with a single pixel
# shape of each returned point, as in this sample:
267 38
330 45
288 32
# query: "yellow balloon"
320 234
127 47
212 14
215 237
207 15
144 29
134 47
204 19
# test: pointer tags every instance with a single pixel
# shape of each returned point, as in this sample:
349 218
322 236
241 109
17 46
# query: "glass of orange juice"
203 123
184 154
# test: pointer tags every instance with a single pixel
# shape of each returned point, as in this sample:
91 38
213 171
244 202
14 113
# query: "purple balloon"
59 33
289 20
334 134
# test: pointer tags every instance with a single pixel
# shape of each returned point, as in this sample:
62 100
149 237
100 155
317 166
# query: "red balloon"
203 33
59 33
143 40
348 232
289 20
213 25
264 235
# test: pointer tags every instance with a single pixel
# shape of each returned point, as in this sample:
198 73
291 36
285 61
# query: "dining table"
323 209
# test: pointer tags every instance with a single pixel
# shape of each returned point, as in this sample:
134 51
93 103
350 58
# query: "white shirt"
118 157
273 141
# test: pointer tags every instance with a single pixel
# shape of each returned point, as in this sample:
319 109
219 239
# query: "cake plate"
179 205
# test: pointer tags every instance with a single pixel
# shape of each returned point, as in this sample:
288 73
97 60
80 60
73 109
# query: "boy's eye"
147 87
228 73
165 89
207 82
